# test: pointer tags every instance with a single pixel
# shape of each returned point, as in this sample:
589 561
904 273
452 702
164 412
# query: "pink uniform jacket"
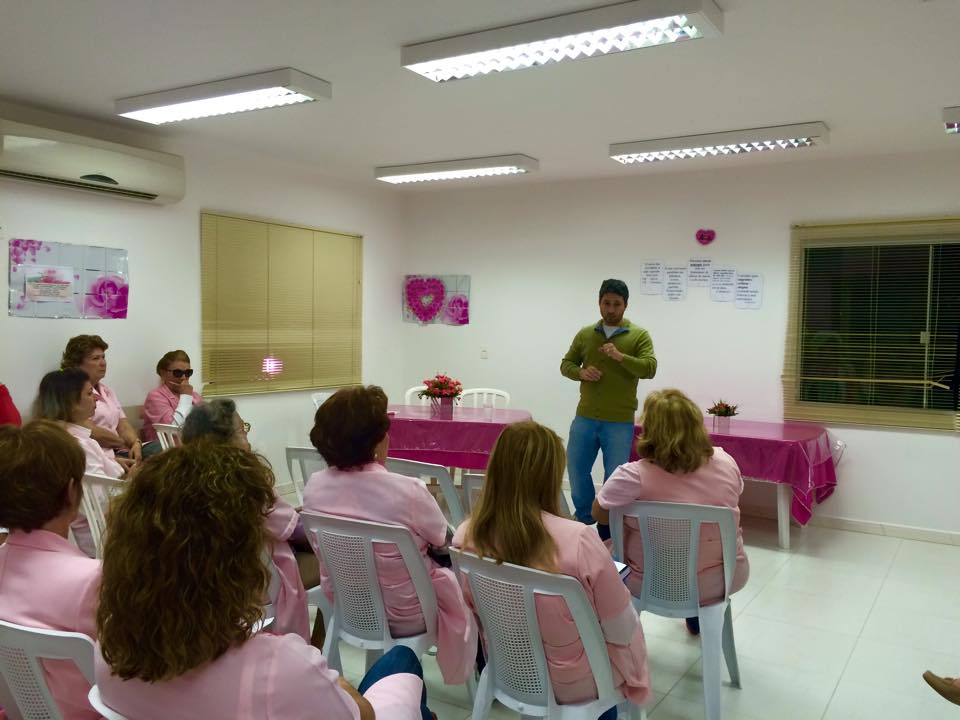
46 582
716 482
108 412
582 555
374 494
291 605
268 677
160 406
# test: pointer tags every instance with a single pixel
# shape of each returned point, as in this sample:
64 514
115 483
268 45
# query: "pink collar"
43 540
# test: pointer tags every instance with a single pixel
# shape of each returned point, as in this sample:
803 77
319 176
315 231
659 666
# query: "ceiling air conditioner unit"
72 161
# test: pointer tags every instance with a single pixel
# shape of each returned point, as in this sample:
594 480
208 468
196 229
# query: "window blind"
874 322
281 306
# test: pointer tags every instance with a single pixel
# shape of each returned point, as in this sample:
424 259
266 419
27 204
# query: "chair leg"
711 631
484 697
730 648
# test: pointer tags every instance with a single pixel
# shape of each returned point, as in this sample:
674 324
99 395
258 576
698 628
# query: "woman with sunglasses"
172 401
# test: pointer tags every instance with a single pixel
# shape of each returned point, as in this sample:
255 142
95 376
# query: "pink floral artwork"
107 297
424 297
457 311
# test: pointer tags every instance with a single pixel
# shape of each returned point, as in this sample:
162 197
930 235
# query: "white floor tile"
914 597
914 629
846 615
792 645
669 661
929 565
857 701
673 708
896 668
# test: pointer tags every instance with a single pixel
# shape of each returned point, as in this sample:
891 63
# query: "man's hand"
590 374
610 350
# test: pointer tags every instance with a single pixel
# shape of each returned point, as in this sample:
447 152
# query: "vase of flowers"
443 392
722 412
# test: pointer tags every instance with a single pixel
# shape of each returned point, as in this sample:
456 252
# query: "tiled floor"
839 628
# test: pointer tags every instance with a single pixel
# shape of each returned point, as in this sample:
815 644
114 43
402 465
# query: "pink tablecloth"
794 453
463 442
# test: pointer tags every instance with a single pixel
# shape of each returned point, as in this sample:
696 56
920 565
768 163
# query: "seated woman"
218 422
45 581
67 397
517 520
677 464
350 432
182 591
171 402
110 426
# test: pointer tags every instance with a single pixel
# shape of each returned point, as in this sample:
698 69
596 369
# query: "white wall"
537 254
164 255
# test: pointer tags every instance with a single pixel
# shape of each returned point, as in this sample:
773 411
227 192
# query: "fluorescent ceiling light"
736 142
240 94
458 169
603 30
951 119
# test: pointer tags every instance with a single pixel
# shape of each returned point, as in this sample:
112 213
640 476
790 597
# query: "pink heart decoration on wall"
705 237
425 297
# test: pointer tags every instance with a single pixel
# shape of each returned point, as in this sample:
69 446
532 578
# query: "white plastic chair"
168 435
101 707
309 461
473 484
670 533
485 397
359 617
410 396
97 491
319 398
516 673
22 648
414 468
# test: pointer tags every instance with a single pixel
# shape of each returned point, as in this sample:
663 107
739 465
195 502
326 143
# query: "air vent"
47 180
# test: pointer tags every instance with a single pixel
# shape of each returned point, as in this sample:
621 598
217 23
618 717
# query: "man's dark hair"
616 287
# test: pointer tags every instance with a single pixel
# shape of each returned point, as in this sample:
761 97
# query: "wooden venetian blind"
873 334
281 306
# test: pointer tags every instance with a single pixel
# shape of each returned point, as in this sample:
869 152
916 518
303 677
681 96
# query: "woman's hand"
136 451
127 464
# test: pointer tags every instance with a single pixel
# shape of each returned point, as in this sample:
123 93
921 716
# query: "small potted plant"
722 412
442 390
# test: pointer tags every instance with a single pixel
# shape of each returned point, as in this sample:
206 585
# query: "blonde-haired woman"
677 464
517 520
181 595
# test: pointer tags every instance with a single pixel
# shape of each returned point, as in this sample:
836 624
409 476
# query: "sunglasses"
181 373
246 427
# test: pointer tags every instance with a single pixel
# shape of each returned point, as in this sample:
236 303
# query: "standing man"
608 359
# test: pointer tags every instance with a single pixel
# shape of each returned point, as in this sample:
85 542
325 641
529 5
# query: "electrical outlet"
484 355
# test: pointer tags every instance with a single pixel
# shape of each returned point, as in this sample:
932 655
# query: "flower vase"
441 407
721 424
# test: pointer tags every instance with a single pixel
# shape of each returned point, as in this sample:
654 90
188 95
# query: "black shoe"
693 625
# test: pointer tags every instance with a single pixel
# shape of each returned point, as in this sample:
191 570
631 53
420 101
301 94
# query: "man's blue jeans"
399 659
587 438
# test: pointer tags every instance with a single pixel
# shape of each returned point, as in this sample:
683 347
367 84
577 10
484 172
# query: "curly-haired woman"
181 595
350 432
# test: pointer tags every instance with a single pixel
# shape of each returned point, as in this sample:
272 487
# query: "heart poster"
436 299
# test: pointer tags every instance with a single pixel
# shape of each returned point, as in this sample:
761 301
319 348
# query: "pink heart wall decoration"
425 297
705 237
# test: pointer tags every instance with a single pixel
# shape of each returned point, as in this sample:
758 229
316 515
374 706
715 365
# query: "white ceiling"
878 72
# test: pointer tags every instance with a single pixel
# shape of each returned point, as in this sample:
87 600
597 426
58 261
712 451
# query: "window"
873 335
281 306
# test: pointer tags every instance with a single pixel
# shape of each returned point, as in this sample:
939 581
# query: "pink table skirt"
465 441
793 453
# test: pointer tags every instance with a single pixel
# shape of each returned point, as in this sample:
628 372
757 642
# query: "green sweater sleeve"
573 360
643 363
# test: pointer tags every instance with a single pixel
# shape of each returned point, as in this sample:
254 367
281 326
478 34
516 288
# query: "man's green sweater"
614 397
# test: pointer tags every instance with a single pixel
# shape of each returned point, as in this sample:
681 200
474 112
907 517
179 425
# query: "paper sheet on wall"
749 292
651 278
675 283
698 272
722 283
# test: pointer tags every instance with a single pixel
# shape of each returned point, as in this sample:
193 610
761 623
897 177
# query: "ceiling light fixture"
609 29
951 119
458 169
736 142
233 95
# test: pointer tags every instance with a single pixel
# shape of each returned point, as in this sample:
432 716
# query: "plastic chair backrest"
473 484
168 435
346 548
97 703
309 461
504 597
485 397
414 468
22 648
319 398
670 533
410 396
97 492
